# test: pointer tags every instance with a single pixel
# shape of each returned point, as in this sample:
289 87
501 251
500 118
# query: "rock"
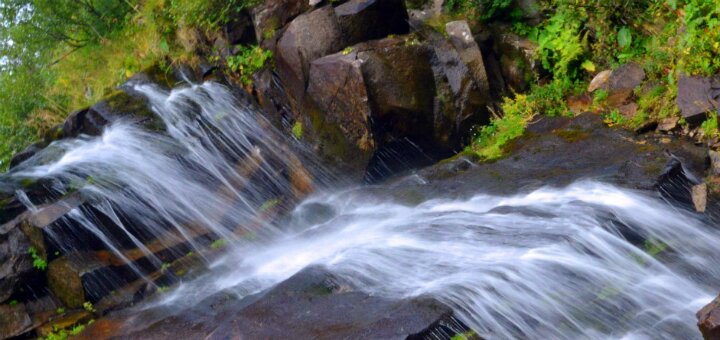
271 15
399 80
516 57
15 261
462 39
699 197
599 81
695 98
619 83
14 320
337 86
362 20
25 154
461 84
579 104
628 110
668 124
240 29
709 320
92 121
64 321
714 162
308 37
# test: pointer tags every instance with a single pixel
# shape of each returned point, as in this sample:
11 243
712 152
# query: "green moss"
572 135
297 130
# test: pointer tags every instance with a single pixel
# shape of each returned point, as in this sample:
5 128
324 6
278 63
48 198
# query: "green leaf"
164 45
624 37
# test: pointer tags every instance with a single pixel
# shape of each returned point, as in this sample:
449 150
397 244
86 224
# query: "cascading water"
586 261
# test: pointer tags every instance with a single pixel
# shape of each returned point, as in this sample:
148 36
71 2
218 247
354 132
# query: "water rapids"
586 261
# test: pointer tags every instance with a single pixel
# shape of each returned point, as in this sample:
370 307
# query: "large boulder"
15 261
271 15
362 20
697 96
337 86
308 37
516 55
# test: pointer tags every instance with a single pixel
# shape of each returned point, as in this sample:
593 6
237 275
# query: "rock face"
14 320
362 20
516 58
698 96
709 320
15 262
271 15
308 37
312 304
337 86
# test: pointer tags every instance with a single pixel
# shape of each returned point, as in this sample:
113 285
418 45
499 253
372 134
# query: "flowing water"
586 261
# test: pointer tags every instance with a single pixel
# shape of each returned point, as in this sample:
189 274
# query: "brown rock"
64 279
668 124
362 20
272 15
14 320
308 37
64 321
579 104
714 162
699 197
337 86
709 320
628 110
599 81
695 98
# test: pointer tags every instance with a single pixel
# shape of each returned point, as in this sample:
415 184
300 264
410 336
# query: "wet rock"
271 15
699 197
14 320
240 29
25 154
709 320
695 98
15 262
64 321
312 304
579 104
362 20
308 37
337 86
64 279
92 121
668 124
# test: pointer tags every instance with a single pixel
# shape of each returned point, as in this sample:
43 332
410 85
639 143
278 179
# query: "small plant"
13 303
613 118
492 140
38 262
162 289
297 130
249 60
269 204
60 310
217 244
164 266
710 125
88 306
347 50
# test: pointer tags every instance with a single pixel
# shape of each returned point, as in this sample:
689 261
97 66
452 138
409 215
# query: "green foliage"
207 14
218 244
38 262
710 125
700 45
613 117
13 303
549 99
88 306
493 138
297 130
479 9
249 60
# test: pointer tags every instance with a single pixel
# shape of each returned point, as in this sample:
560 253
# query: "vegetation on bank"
578 38
60 56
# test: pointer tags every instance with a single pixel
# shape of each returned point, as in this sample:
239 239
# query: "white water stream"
548 264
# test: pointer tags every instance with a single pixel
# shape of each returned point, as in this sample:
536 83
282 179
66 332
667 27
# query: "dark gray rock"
14 321
271 15
695 98
362 20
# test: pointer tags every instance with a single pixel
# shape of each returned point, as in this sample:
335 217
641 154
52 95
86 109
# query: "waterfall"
586 261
